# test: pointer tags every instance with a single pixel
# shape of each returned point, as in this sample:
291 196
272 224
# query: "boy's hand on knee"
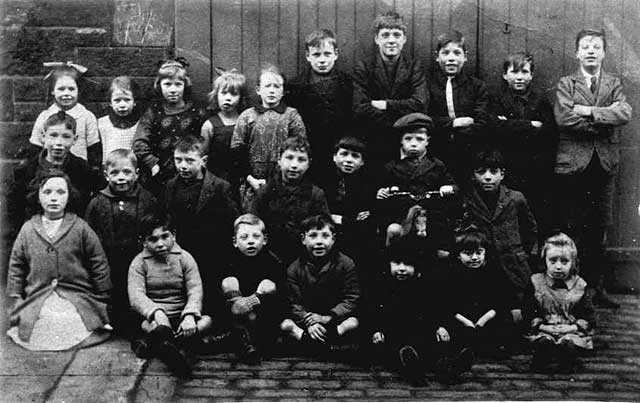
187 326
377 338
161 318
317 332
313 318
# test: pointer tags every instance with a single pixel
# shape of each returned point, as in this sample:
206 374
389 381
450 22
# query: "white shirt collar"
588 76
74 112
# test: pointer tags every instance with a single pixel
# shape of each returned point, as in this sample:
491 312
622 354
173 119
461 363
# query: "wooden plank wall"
245 34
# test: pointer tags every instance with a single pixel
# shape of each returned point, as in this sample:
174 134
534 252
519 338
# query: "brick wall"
110 37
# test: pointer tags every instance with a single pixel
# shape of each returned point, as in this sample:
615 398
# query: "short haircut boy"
488 159
317 222
150 222
518 60
61 118
449 37
352 144
389 20
249 219
296 143
599 33
118 154
319 37
190 143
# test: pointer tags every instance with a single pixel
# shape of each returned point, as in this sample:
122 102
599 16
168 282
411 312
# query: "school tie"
592 87
449 96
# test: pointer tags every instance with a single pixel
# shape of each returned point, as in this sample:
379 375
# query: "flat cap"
413 121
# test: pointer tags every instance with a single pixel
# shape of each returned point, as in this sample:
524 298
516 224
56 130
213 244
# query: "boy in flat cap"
415 172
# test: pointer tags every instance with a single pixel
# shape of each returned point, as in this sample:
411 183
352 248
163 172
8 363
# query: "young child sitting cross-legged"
323 289
254 289
560 310
411 333
165 289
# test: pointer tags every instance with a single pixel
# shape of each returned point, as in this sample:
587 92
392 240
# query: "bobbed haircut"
150 222
191 143
488 159
452 36
229 81
389 20
317 222
599 33
249 219
124 83
318 37
296 143
404 251
60 118
470 238
561 240
352 144
120 154
73 200
518 60
174 69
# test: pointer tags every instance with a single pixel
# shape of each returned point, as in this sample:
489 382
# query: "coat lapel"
381 75
67 222
481 209
503 201
205 192
582 88
604 88
402 75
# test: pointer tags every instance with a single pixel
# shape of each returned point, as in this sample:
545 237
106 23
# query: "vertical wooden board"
593 12
327 16
269 31
365 14
346 34
423 33
192 44
440 21
494 44
573 22
226 35
405 9
251 42
464 18
308 21
519 20
546 42
289 42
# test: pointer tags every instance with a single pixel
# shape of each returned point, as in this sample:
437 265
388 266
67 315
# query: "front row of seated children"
319 302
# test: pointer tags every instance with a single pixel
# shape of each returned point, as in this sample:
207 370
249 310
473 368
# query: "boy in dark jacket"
413 334
323 96
387 87
254 289
525 133
322 287
503 215
351 197
115 214
59 136
202 210
288 198
458 106
417 173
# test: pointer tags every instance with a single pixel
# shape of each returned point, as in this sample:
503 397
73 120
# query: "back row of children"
257 159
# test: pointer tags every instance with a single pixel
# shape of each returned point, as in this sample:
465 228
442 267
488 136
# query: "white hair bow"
81 69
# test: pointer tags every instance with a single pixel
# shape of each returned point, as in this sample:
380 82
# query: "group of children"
206 221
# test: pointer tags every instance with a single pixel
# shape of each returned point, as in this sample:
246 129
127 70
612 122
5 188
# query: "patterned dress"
562 303
256 142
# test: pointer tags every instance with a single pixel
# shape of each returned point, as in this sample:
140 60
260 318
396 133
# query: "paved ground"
111 373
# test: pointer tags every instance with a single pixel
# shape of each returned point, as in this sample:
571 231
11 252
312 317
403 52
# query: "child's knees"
204 324
266 287
230 284
394 231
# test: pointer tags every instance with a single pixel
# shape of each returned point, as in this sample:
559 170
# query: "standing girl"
64 80
259 133
58 276
226 100
171 117
561 311
118 128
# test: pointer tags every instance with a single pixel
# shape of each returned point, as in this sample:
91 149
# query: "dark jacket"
406 94
511 228
529 151
283 207
470 98
359 194
22 198
579 137
330 288
325 110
